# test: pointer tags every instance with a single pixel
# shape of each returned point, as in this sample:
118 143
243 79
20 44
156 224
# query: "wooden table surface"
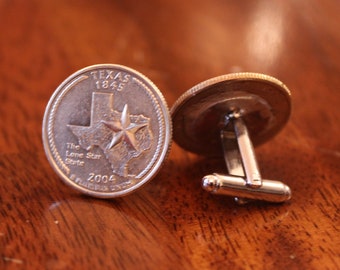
171 223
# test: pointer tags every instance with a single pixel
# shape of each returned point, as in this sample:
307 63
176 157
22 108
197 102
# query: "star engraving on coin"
124 130
120 135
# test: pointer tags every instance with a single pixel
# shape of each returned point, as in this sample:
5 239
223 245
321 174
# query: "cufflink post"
244 180
226 116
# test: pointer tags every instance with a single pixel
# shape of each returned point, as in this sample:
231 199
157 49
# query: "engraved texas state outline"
120 135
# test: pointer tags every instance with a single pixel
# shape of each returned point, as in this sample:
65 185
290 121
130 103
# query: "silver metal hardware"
241 109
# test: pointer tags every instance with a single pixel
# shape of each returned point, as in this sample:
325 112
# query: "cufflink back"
226 116
106 130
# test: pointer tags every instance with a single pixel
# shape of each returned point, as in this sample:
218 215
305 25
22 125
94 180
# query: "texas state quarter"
106 130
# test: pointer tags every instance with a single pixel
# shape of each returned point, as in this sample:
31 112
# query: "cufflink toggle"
226 116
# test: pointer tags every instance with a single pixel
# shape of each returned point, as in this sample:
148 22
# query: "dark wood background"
171 223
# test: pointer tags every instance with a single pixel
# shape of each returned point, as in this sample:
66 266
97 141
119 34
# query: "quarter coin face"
106 130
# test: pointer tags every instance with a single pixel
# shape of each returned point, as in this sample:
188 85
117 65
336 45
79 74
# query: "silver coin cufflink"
106 130
226 116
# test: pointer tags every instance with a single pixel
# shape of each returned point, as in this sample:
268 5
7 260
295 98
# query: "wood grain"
171 223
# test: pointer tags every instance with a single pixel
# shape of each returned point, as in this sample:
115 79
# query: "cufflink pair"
107 130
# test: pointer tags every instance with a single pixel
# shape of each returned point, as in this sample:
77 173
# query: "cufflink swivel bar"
244 180
241 110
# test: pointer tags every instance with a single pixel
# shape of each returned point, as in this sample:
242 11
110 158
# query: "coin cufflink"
226 116
106 130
